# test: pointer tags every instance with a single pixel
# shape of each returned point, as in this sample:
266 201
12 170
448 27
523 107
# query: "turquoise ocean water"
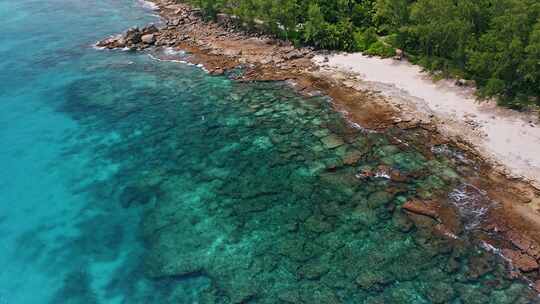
126 179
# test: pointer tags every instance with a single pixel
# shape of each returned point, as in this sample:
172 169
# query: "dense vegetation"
493 42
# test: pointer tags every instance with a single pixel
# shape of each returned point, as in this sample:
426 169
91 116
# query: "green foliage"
209 7
390 15
381 49
441 28
506 61
494 42
364 39
315 26
362 14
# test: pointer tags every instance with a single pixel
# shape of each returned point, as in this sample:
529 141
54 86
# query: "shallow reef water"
133 180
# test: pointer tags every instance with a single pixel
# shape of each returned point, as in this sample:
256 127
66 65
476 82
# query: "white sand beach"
509 139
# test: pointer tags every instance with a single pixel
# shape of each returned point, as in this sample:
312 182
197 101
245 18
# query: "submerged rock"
290 296
318 224
134 195
352 157
380 198
331 141
314 270
259 197
441 293
371 280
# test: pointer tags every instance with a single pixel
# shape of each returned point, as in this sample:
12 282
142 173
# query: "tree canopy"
494 42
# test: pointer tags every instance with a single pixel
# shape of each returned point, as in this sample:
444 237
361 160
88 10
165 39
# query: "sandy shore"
384 95
508 139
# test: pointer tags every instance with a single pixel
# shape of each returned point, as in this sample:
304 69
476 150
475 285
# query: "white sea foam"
473 204
382 174
445 150
169 60
490 248
451 235
178 61
171 51
148 5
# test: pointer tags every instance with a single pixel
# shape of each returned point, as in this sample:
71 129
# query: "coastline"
499 134
218 48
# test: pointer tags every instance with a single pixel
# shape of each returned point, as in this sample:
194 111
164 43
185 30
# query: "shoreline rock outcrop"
133 39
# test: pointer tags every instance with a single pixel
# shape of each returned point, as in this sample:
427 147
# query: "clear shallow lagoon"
131 180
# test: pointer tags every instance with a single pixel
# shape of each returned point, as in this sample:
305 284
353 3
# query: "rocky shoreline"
509 230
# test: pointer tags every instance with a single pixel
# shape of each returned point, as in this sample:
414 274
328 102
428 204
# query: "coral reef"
273 197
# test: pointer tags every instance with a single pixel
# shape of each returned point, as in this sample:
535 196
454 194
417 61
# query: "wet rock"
133 35
398 176
524 244
365 172
111 43
148 38
217 72
121 42
161 42
150 29
521 261
425 224
426 208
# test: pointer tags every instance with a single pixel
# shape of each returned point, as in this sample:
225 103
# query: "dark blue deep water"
126 179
